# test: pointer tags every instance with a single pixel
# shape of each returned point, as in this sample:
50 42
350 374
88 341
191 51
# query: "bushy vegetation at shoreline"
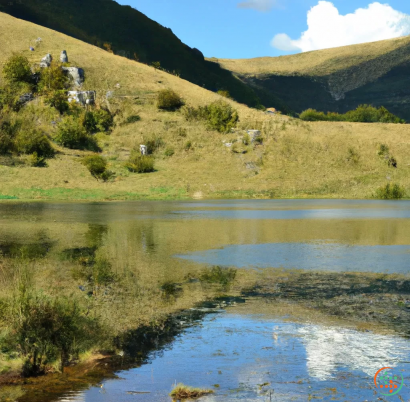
363 114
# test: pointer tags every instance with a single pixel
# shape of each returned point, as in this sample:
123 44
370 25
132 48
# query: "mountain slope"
133 35
337 79
296 159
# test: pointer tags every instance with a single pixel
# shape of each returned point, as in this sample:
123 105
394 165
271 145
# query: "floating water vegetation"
181 392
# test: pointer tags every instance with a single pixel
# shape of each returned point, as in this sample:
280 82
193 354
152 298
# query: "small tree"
17 69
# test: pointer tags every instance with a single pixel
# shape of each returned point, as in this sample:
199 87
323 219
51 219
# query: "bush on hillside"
10 95
58 100
131 119
53 78
97 165
17 69
72 134
390 192
32 140
169 100
363 114
98 120
221 116
140 163
153 143
8 132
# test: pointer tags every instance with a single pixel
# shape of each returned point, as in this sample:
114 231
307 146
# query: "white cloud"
328 28
260 5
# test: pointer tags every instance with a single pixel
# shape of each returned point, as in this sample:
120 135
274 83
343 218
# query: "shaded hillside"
337 79
133 35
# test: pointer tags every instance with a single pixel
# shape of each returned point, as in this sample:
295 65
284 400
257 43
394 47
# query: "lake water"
259 358
233 352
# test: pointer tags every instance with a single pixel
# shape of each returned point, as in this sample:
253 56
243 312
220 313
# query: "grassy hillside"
133 35
335 79
296 159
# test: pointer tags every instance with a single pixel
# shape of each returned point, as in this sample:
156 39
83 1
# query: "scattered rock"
82 97
109 94
26 98
63 57
76 74
31 49
118 86
46 61
143 149
253 135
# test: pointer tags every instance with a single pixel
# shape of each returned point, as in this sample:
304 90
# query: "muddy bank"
380 300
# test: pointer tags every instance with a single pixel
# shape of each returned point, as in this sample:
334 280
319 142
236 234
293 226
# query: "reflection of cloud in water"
329 349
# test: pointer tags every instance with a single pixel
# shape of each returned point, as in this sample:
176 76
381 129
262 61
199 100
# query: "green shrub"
169 100
153 143
390 192
30 141
312 115
58 100
72 134
192 114
37 161
363 114
10 95
97 165
17 69
99 120
169 151
131 119
220 275
140 163
8 132
188 146
221 116
44 330
383 150
53 78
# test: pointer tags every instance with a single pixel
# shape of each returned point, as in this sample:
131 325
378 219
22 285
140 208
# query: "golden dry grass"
319 62
181 392
297 159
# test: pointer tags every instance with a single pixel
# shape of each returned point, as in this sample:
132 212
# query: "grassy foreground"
295 160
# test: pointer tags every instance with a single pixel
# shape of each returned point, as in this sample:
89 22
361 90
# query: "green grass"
160 193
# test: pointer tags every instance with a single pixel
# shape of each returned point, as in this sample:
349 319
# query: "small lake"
244 354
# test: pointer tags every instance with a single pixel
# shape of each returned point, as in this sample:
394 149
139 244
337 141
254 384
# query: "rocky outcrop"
63 57
76 74
46 61
82 97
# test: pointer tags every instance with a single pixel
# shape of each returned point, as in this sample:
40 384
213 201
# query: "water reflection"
249 356
309 256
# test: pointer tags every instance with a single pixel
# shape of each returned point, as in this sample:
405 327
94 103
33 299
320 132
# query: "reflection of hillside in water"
330 349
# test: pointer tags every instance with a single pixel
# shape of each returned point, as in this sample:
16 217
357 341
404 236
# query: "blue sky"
254 28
